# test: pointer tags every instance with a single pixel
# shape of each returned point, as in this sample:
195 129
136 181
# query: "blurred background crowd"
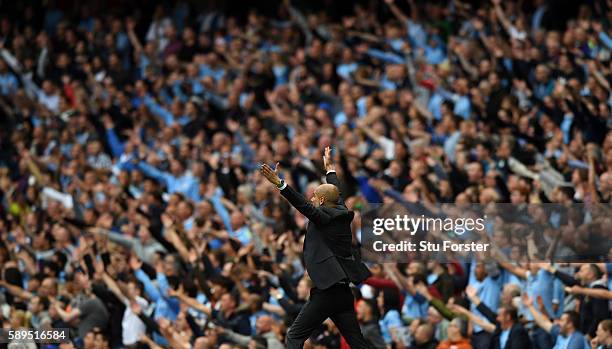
131 132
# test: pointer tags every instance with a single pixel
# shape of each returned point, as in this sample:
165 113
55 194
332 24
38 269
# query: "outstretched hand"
472 294
527 301
327 160
456 308
135 263
271 174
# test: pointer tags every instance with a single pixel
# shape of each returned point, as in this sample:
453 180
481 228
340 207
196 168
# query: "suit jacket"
328 252
518 337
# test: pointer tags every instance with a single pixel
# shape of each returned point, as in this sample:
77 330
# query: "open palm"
271 174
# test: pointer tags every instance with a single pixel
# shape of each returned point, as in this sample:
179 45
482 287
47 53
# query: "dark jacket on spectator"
518 337
372 334
592 310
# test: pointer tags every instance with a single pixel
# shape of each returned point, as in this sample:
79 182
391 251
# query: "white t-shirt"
517 34
131 325
388 145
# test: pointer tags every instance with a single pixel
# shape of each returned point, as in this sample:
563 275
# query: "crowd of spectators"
133 212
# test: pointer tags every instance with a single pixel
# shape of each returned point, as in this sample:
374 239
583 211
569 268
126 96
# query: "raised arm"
590 292
192 302
276 110
472 295
486 325
130 24
295 199
67 316
165 291
33 167
514 269
150 289
234 337
396 11
156 109
222 211
114 288
499 12
300 20
567 279
541 320
113 140
120 239
447 313
304 206
16 290
154 172
174 238
330 173
275 309
28 262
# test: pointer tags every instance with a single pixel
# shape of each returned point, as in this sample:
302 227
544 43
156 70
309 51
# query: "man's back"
328 252
333 238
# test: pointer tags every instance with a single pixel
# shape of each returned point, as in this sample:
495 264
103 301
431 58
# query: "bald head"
264 324
424 333
326 194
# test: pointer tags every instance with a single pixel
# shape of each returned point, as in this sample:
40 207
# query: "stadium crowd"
133 212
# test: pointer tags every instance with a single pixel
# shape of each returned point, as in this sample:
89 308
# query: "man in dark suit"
509 333
330 260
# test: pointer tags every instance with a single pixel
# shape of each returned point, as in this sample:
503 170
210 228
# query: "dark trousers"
335 303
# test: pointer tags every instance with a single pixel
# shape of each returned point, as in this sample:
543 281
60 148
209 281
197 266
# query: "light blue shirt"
542 90
202 299
396 44
242 234
435 102
605 39
434 55
575 340
186 184
340 119
418 35
463 107
566 126
216 73
414 309
8 84
541 284
362 108
488 290
167 307
164 113
346 69
391 320
503 338
387 84
450 144
280 74
558 296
